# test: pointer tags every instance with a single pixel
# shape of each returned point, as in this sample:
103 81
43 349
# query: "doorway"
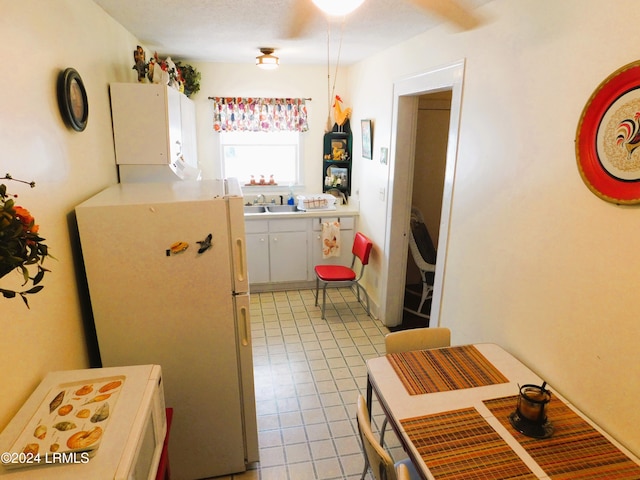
407 93
432 132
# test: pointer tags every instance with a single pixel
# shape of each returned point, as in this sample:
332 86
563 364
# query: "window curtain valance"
235 114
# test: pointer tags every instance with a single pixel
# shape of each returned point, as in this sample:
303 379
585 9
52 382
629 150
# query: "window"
254 154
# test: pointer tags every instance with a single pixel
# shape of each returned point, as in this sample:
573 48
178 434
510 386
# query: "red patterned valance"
239 114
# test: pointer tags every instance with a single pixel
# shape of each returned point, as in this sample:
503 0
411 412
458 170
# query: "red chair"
340 276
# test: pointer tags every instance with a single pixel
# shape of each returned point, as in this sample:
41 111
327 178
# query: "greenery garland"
191 78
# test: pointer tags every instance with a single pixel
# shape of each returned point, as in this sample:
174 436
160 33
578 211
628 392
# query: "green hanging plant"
20 244
191 78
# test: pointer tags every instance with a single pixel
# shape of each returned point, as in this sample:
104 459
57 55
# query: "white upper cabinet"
152 124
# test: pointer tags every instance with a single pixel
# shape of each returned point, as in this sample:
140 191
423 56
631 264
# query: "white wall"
41 38
536 262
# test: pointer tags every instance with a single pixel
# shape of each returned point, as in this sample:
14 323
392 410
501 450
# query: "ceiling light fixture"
267 61
338 8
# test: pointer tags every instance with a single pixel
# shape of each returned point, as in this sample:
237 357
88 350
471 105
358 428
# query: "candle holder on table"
530 415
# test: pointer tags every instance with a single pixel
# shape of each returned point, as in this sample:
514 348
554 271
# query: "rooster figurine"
340 116
628 134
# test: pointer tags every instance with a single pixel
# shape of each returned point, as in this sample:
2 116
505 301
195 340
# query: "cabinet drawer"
256 226
346 223
288 225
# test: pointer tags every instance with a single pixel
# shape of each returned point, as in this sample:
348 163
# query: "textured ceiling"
232 31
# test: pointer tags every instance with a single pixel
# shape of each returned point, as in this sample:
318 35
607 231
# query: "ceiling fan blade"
454 11
300 18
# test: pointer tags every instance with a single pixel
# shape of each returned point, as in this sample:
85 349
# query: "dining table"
450 409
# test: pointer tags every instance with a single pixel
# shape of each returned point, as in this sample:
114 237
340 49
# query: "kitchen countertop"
340 210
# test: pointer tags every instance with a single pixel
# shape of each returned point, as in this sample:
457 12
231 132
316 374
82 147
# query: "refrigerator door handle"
237 244
244 323
241 256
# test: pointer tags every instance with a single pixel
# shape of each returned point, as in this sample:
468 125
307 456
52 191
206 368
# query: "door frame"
400 184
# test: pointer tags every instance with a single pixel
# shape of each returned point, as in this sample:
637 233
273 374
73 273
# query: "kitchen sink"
254 209
282 208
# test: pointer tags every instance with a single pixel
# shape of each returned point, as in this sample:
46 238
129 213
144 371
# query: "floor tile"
302 471
323 449
293 435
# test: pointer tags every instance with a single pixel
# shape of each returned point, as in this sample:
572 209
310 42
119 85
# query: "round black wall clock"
72 99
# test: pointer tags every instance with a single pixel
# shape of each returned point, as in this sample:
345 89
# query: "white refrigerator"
167 274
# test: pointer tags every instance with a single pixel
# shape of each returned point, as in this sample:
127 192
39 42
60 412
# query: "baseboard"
281 286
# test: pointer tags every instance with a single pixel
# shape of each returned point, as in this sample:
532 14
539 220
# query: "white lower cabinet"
277 250
286 249
258 257
288 256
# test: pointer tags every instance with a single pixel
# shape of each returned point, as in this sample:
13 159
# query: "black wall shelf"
336 162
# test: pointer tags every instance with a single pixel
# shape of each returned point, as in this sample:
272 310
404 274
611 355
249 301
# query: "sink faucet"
261 199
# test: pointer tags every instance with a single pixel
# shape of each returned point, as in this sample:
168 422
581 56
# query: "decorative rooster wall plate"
608 138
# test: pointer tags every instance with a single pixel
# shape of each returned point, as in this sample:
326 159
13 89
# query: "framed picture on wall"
367 142
384 155
337 177
72 99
